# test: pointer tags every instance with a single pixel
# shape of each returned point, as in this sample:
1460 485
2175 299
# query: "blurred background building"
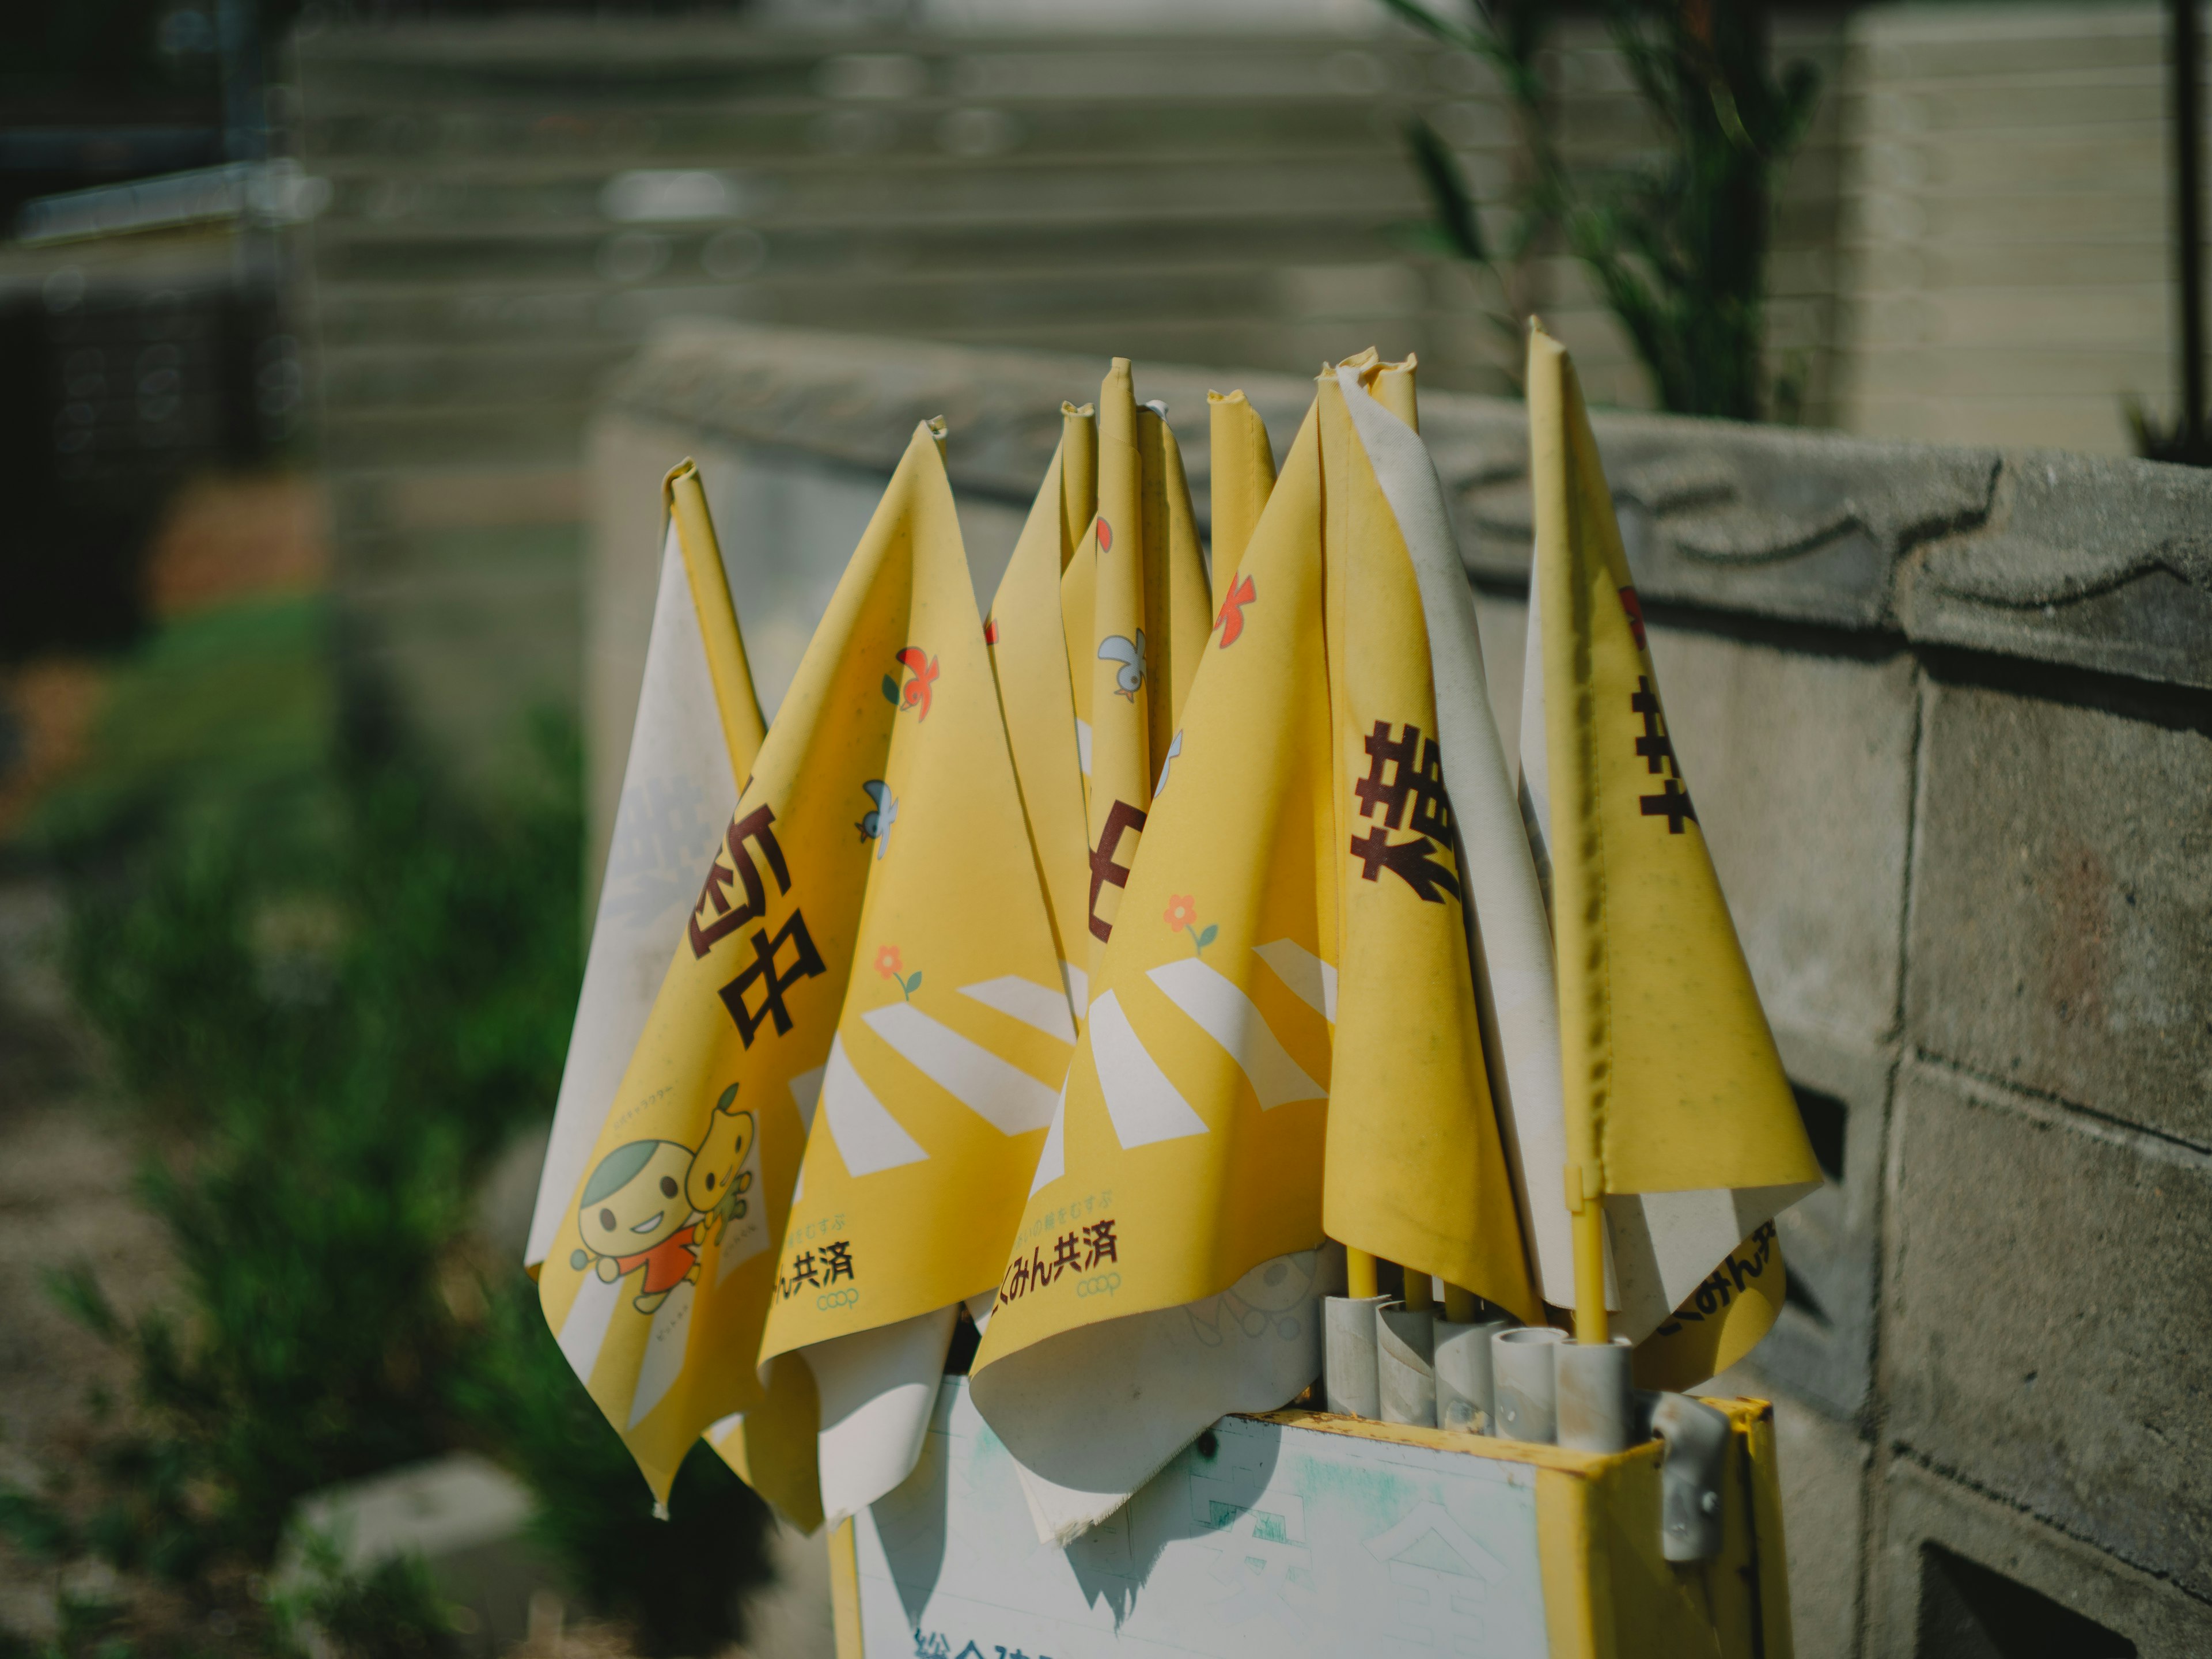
469 219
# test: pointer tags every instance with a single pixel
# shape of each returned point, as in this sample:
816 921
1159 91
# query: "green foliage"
330 1020
676 1583
337 1080
1677 244
391 1611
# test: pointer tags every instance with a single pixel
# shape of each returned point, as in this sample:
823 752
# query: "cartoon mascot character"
635 1214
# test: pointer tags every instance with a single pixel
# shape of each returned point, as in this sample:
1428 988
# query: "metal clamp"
1697 1437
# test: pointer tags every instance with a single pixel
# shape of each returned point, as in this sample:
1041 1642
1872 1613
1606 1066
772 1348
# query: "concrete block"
1928 1517
2047 1320
1822 1344
2060 573
1762 521
463 1517
2060 906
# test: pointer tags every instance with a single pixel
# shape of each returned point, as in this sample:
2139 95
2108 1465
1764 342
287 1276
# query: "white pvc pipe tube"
1405 1356
1596 1396
1466 1399
1349 1382
1524 1374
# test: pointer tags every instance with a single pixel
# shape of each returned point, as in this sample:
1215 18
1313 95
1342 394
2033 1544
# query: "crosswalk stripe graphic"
1003 1096
664 1354
1144 1105
1225 1013
1037 1007
1052 1162
868 1138
1312 981
586 1327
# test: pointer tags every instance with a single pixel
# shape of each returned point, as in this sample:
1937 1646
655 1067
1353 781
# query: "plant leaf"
890 690
1448 193
1205 937
913 982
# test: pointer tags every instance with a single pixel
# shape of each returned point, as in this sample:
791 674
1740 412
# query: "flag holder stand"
1306 1533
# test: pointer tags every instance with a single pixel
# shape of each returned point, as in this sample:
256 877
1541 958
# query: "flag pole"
726 666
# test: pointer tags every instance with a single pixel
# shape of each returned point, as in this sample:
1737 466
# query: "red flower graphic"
887 961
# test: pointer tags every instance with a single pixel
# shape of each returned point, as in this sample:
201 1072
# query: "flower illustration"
888 965
1181 914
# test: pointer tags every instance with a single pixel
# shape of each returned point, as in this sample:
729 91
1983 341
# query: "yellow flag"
1679 1117
1134 610
1028 641
1417 1168
1168 1266
870 958
1243 468
1170 1263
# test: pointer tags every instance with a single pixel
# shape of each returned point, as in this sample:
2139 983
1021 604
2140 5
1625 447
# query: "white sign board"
1260 1539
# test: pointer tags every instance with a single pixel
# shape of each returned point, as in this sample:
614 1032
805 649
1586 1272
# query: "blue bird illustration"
876 826
1129 678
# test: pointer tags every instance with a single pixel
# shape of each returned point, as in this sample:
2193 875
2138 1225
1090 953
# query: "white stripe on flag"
1312 981
1052 1162
663 1353
1144 1106
1037 1007
1003 1096
1225 1013
867 1137
586 1327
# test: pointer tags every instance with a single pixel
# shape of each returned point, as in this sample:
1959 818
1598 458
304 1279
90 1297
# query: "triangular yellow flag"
836 973
1171 1264
1168 1266
1244 476
1417 1170
1029 657
1679 1120
1135 614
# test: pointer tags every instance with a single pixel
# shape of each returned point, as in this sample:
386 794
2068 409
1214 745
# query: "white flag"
678 796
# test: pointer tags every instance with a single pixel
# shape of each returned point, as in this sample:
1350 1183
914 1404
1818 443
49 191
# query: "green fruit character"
634 1216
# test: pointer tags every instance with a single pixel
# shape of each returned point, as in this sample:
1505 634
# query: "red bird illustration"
917 695
1231 619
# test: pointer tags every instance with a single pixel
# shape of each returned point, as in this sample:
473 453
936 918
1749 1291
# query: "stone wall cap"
2104 564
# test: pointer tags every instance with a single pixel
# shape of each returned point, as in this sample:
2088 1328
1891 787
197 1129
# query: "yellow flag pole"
1549 390
1360 1274
742 725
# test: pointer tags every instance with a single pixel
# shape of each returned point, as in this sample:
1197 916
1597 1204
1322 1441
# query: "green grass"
332 993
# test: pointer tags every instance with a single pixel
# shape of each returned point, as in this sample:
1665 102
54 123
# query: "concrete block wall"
1949 714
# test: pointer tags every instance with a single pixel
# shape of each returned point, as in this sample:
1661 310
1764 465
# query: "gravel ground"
65 1169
